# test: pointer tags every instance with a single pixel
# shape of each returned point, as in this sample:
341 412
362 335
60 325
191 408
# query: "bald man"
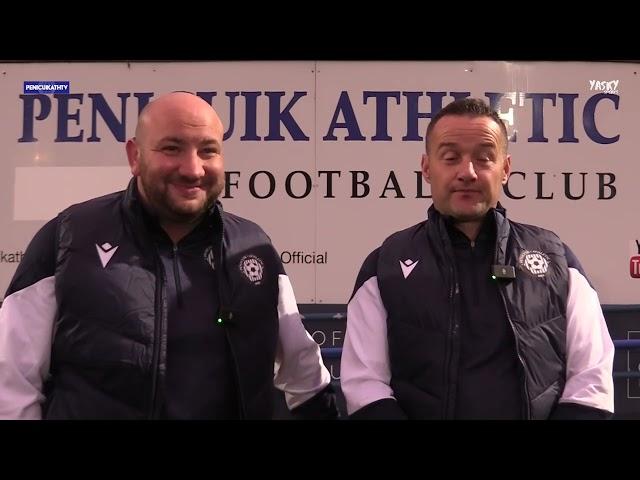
154 303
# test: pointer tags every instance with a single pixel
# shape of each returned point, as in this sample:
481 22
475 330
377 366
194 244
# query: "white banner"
325 156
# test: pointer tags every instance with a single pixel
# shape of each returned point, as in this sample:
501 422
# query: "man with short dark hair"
470 315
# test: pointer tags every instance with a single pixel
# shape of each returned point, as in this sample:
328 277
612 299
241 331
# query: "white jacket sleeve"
26 327
299 369
365 373
590 350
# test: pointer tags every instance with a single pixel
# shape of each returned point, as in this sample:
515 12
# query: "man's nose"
191 165
467 171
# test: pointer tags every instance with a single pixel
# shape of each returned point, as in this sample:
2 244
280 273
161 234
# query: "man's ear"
506 169
425 168
133 155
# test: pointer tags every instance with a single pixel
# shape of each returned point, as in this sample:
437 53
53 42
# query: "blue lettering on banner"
274 115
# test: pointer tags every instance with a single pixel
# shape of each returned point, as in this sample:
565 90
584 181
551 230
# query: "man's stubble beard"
165 208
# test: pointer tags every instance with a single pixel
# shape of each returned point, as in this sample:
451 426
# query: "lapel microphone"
225 317
503 272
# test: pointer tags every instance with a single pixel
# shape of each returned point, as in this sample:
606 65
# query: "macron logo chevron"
105 252
407 266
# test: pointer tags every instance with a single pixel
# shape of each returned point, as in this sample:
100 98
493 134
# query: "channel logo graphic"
40 87
610 87
634 262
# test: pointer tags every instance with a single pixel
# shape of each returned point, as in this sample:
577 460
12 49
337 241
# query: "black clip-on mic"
503 272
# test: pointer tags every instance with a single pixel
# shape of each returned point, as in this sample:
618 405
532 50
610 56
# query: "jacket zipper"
230 320
176 275
524 380
453 328
158 323
517 342
474 269
243 413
